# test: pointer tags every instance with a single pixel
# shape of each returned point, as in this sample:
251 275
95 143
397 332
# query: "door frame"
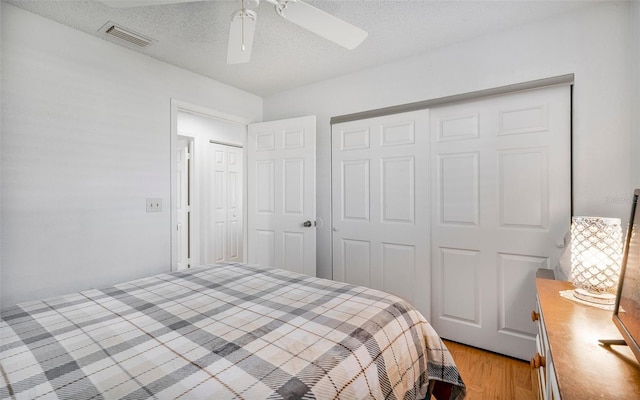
177 106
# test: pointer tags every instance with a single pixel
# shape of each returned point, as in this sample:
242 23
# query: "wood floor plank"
491 376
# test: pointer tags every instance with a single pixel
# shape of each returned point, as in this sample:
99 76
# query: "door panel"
281 194
265 191
523 188
501 201
293 186
380 198
398 264
460 274
355 190
513 284
459 200
356 254
293 251
398 182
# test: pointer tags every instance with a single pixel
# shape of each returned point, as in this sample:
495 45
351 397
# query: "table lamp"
596 253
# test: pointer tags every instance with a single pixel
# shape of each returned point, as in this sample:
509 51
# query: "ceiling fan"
243 24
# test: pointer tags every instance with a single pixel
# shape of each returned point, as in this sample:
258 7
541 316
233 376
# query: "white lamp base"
594 297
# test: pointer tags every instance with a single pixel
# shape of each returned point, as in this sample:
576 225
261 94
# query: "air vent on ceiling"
122 35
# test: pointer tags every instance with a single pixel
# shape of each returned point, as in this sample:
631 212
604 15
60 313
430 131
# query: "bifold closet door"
226 183
380 205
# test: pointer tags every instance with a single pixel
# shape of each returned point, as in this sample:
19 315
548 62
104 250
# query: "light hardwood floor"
490 376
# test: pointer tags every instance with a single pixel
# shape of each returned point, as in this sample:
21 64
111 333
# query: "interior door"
235 224
380 205
501 204
226 204
184 149
281 184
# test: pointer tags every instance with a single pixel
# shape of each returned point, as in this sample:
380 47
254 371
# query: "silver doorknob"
307 224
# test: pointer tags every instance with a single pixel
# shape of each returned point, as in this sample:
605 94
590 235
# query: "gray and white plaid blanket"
223 332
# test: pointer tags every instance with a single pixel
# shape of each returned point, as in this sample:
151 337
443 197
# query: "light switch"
154 205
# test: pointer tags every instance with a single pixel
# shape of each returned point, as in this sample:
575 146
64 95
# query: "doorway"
194 189
291 184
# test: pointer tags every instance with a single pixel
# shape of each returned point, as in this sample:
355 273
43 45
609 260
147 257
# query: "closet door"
500 208
380 176
225 235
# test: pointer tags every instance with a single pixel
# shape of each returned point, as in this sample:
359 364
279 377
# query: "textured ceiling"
193 35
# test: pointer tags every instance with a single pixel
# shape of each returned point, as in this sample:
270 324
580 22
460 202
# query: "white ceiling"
193 35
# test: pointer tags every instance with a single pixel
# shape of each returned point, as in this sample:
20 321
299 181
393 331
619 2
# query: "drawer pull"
537 361
535 316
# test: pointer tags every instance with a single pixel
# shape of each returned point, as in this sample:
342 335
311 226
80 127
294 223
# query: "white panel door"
235 226
500 207
281 194
225 194
380 189
183 159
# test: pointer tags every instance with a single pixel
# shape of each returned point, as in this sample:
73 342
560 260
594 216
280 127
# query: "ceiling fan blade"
241 32
141 3
323 24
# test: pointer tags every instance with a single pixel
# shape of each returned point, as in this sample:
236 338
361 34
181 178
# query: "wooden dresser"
571 364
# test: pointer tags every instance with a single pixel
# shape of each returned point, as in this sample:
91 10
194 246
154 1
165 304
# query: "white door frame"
178 106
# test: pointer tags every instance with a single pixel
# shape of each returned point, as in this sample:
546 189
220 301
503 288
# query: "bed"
227 331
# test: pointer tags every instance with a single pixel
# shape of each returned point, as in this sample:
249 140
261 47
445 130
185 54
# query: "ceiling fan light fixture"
241 33
320 22
243 24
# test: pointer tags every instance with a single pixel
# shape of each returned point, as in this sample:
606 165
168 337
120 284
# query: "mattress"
227 331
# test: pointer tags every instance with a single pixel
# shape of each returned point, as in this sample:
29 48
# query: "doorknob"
307 224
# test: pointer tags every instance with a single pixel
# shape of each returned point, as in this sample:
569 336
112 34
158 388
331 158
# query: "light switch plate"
154 205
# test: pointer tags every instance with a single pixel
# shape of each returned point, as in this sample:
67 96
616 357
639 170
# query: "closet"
454 208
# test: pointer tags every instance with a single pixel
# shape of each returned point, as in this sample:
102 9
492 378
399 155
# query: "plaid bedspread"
223 332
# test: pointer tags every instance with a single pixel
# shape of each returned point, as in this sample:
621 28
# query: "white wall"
207 128
203 129
592 43
85 140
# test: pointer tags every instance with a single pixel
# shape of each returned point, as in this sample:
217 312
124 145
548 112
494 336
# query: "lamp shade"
596 253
